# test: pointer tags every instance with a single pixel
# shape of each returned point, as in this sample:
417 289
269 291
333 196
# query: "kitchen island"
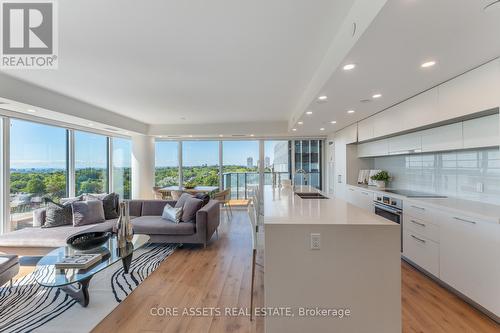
334 266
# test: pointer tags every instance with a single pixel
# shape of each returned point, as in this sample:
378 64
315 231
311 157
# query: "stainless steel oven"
391 209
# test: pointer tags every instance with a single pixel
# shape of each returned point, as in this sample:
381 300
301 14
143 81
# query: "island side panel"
358 267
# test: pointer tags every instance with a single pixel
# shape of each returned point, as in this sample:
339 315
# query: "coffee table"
46 274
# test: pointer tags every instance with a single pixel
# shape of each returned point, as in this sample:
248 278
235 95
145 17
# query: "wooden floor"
219 276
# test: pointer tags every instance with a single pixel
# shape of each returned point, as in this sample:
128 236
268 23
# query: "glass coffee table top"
46 274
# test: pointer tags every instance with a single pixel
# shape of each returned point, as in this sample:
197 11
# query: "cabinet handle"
464 220
418 207
418 239
418 223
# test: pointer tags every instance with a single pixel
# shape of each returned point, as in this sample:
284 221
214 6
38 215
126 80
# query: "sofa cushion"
182 200
203 197
172 214
109 203
154 207
48 237
70 200
155 225
135 207
87 212
191 206
58 215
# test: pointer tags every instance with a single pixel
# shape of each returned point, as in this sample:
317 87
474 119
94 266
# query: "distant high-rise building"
267 162
250 162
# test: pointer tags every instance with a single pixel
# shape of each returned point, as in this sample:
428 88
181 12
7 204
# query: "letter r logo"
27 28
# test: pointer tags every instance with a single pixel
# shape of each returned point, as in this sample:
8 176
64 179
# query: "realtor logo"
29 34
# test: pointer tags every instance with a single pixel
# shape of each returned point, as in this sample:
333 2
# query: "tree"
55 184
35 186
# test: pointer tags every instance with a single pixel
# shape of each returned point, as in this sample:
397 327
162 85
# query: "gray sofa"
145 217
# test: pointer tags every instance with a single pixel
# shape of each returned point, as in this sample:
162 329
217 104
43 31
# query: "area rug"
29 307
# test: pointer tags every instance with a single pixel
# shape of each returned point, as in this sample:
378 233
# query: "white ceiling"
455 33
185 62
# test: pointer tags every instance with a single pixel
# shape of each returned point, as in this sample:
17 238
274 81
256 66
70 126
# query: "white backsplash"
455 174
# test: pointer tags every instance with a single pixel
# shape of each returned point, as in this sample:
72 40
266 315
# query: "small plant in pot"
381 178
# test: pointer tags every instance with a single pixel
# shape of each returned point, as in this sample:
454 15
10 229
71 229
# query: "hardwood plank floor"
219 276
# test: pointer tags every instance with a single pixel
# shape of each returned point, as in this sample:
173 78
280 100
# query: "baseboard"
446 286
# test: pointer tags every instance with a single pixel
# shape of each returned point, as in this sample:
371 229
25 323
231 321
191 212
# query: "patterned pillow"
87 212
58 215
172 214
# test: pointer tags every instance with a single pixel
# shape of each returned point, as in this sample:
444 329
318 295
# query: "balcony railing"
242 182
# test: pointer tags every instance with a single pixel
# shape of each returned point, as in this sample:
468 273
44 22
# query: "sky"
41 146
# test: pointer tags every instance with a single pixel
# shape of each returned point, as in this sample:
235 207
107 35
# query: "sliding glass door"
121 167
38 169
308 161
276 161
240 167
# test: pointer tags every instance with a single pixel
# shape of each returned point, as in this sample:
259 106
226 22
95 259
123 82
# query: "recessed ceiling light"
31 110
90 124
300 123
333 122
348 67
377 95
351 111
221 135
322 129
428 64
252 134
191 135
322 98
294 129
309 113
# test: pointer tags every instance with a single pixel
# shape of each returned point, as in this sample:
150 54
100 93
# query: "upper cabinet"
449 137
350 134
482 132
405 144
474 91
374 148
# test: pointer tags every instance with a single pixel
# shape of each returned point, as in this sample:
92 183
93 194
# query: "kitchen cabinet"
482 132
421 250
365 129
474 91
374 148
422 227
405 144
360 197
449 137
340 166
469 258
350 134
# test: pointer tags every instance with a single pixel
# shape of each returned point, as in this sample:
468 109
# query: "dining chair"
176 195
158 195
224 198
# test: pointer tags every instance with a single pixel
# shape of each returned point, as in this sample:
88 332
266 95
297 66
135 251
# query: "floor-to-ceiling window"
91 163
276 161
240 166
166 163
38 168
308 159
200 163
121 167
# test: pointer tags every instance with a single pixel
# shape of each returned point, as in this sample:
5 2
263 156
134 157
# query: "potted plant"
190 184
381 178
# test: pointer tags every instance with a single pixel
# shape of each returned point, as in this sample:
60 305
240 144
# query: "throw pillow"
109 203
87 212
203 197
57 215
182 200
63 201
172 214
191 206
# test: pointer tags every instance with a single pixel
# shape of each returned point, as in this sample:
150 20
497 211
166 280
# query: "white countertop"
480 210
282 206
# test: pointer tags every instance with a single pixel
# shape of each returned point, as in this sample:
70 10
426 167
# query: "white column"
143 166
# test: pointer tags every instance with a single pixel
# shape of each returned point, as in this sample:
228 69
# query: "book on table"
80 260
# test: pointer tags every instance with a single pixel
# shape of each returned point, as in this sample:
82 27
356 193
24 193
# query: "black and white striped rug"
29 307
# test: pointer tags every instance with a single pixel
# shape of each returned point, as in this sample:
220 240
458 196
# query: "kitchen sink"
311 195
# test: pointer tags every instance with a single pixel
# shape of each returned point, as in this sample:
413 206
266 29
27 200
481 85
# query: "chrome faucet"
304 175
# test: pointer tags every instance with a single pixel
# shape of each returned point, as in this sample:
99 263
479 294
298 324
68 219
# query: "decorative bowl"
88 240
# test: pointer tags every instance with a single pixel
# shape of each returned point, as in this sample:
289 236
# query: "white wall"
143 166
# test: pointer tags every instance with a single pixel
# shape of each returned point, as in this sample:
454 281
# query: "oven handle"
388 209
